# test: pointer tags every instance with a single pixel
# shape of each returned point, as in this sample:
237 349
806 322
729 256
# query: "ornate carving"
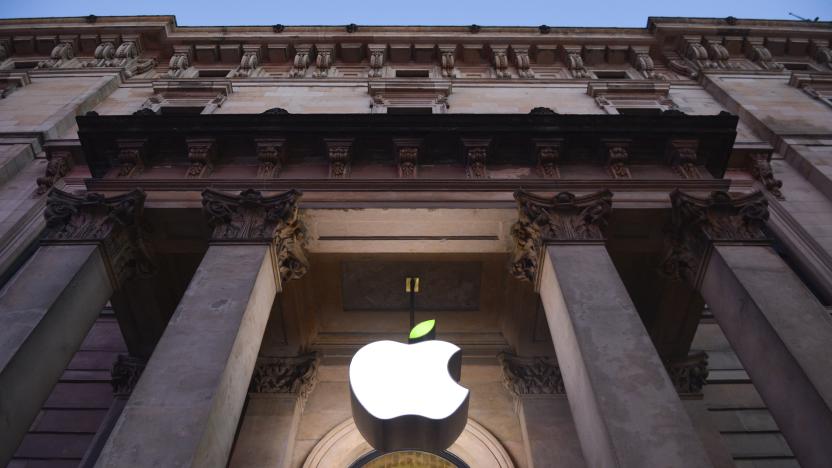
338 153
58 165
448 61
201 154
696 53
114 223
501 62
249 63
323 62
270 155
698 222
617 157
301 62
690 374
125 374
408 159
823 55
548 154
642 61
104 54
377 61
760 166
682 157
760 55
179 62
538 375
717 52
575 63
296 375
61 54
562 218
4 50
521 60
131 157
476 155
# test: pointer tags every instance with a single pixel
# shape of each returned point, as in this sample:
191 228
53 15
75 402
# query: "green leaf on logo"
421 329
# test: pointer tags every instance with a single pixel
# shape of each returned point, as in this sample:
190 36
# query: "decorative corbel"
270 154
821 52
539 375
640 60
689 374
575 62
679 65
693 50
249 62
103 55
476 155
324 60
338 152
202 153
301 62
447 53
760 168
131 157
717 52
617 158
180 61
407 156
759 54
296 375
377 52
562 218
522 62
682 157
548 154
500 55
61 53
59 163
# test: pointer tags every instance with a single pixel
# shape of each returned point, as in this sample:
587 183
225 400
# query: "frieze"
295 375
539 375
548 155
562 218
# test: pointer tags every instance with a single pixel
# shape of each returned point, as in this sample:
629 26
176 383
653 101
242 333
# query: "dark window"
174 110
639 110
412 74
410 110
611 75
213 73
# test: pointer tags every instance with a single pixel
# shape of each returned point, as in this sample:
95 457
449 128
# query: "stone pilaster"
778 329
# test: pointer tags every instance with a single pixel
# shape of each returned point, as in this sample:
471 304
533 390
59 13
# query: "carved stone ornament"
538 375
57 166
249 63
271 155
760 167
548 155
697 223
103 55
575 63
407 157
617 157
61 54
293 375
252 218
201 154
338 153
523 63
130 157
642 61
376 61
683 158
114 223
301 62
562 218
448 60
476 156
501 62
125 374
323 62
180 61
690 374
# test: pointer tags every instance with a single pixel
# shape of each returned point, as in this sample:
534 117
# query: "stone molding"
697 223
689 374
251 218
539 375
125 374
564 218
115 223
293 375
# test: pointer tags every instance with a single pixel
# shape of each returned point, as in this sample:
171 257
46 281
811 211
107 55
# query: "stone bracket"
407 156
476 157
288 375
339 153
271 155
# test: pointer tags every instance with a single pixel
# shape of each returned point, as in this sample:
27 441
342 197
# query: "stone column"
548 431
185 408
278 392
779 331
625 408
91 245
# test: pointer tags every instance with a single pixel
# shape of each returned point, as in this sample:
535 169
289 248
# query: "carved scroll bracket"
59 163
339 153
296 375
617 156
202 154
114 223
574 61
448 60
697 223
525 376
476 157
303 56
377 52
564 218
251 218
407 156
548 154
683 159
271 155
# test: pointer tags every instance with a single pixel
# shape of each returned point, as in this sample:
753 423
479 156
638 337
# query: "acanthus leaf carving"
131 157
202 153
339 155
539 375
125 374
522 62
683 158
249 62
58 165
295 375
698 222
760 167
301 62
377 60
562 218
689 374
617 158
271 155
476 157
179 62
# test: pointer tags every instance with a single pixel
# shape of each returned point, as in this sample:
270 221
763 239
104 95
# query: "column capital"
125 374
698 222
251 218
564 218
539 375
288 375
112 222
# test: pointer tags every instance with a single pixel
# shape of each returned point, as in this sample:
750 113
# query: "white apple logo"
406 396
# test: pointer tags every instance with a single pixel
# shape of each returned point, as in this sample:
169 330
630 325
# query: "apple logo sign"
407 396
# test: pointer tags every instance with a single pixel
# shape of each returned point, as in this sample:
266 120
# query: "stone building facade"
628 231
